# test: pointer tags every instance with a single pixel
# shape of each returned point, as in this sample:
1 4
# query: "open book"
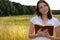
49 27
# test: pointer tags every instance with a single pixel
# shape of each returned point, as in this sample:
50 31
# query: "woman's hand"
42 33
48 36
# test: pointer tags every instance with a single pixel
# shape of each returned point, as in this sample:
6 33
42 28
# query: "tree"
7 7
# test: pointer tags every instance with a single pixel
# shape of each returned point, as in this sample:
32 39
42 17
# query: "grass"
16 27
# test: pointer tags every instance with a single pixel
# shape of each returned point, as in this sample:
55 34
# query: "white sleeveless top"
37 20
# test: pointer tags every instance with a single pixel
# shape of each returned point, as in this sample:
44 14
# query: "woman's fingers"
39 29
46 30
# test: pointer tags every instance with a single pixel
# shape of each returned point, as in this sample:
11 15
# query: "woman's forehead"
42 4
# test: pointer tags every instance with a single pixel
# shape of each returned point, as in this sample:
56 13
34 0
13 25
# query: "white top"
37 20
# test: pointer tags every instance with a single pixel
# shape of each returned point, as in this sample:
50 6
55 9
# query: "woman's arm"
31 31
38 34
57 30
57 37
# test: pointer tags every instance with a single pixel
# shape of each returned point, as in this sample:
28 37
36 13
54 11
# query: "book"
49 27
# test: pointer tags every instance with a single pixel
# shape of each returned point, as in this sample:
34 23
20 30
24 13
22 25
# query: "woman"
43 17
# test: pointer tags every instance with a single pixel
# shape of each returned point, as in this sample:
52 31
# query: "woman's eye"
45 5
40 7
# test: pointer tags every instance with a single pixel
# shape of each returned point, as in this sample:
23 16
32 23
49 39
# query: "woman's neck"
44 17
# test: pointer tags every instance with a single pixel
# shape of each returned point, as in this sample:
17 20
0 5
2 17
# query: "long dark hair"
49 14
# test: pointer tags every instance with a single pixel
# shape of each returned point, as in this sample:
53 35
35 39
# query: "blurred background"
15 17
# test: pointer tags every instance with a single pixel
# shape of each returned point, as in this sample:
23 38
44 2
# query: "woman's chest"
40 22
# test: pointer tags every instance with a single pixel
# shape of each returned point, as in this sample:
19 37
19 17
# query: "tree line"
8 8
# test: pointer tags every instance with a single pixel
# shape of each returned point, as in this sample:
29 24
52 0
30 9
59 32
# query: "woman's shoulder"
33 18
54 19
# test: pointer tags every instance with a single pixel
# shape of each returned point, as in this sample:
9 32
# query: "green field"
16 27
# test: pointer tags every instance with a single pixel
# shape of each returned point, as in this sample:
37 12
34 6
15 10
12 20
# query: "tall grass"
16 27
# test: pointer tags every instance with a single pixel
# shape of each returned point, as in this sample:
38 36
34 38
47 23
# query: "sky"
54 4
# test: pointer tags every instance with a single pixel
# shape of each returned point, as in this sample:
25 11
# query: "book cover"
50 28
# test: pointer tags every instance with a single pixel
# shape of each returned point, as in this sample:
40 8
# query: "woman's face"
43 8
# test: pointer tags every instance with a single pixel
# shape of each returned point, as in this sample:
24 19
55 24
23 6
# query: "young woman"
43 17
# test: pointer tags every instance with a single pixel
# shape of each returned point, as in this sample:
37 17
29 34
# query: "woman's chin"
44 13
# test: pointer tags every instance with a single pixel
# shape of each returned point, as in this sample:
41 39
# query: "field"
16 27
